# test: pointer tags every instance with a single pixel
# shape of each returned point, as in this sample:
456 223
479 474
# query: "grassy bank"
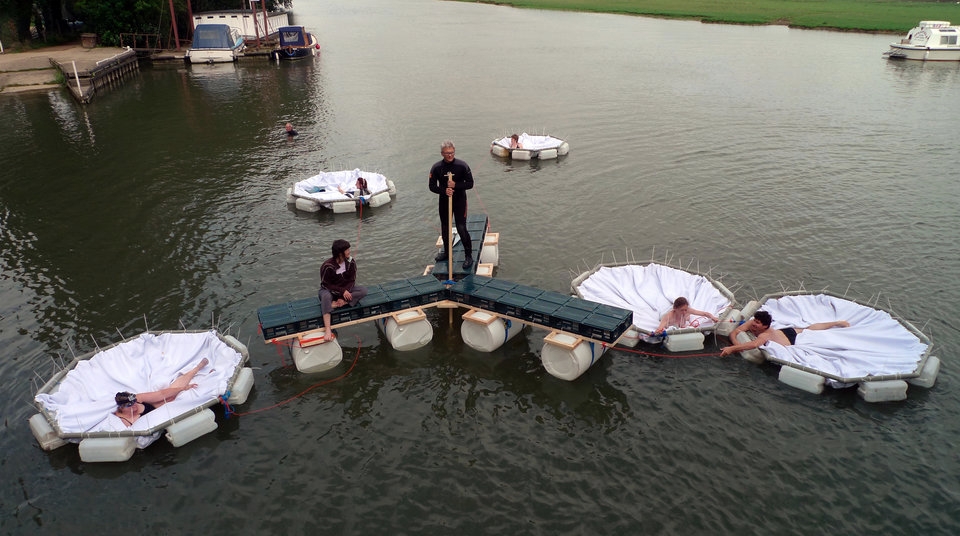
854 15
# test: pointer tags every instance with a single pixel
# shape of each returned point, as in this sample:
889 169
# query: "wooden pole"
449 230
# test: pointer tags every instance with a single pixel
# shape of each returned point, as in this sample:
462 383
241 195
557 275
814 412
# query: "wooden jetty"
85 78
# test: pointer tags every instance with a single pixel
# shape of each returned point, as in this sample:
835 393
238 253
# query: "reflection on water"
809 160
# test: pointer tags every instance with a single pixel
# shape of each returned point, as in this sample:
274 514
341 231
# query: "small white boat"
932 40
529 146
341 191
879 352
649 290
77 403
215 43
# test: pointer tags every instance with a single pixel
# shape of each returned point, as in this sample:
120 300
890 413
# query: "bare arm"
697 312
756 343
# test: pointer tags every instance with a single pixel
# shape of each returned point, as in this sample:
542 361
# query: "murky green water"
775 157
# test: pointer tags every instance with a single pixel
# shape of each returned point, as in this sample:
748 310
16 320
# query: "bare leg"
183 381
327 332
827 325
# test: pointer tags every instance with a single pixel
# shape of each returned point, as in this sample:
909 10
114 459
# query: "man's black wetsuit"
463 181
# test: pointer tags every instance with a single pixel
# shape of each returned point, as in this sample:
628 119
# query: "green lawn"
856 15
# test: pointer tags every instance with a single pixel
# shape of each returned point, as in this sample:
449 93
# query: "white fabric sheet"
649 291
875 344
533 143
329 181
84 401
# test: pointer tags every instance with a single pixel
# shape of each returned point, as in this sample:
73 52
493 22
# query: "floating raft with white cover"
879 352
77 404
649 290
337 191
530 146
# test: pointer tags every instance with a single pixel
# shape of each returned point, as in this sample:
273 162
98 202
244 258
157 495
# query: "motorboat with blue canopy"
296 43
215 43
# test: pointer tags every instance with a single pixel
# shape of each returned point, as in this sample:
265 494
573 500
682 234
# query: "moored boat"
215 43
296 43
932 40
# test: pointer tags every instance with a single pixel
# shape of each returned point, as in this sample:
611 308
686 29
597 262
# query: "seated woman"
131 407
515 142
679 315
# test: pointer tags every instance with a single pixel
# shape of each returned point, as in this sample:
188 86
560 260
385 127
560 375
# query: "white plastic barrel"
563 149
801 379
241 387
521 154
750 308
404 335
569 362
728 323
107 449
391 187
928 376
485 332
499 150
317 358
307 205
291 199
883 391
547 154
630 338
754 355
341 207
379 200
182 432
490 252
45 435
684 342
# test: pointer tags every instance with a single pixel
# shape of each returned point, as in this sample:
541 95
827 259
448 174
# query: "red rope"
305 391
669 356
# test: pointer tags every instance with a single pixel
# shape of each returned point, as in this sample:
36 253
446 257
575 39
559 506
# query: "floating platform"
544 308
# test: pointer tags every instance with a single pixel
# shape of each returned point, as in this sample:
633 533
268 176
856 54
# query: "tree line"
56 21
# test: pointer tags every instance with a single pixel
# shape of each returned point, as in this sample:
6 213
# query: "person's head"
447 150
515 137
125 399
680 304
362 184
761 322
289 127
340 248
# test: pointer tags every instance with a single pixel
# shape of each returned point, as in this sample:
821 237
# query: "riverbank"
31 70
847 15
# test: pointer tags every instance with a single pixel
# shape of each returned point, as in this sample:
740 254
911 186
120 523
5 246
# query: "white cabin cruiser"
932 40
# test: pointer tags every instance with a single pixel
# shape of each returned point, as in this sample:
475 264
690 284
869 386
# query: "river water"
776 158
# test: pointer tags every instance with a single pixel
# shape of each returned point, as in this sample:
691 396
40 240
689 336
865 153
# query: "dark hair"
763 317
125 398
680 302
339 246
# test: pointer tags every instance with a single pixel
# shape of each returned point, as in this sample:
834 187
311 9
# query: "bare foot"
203 362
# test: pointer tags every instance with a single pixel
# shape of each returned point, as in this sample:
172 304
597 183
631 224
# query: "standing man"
450 178
338 283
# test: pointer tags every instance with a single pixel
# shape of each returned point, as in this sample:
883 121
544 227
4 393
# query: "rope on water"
356 356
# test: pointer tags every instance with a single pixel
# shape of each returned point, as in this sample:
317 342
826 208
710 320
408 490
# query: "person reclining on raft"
132 406
759 326
680 314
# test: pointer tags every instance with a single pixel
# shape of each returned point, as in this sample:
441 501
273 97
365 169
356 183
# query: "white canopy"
649 291
875 344
84 401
